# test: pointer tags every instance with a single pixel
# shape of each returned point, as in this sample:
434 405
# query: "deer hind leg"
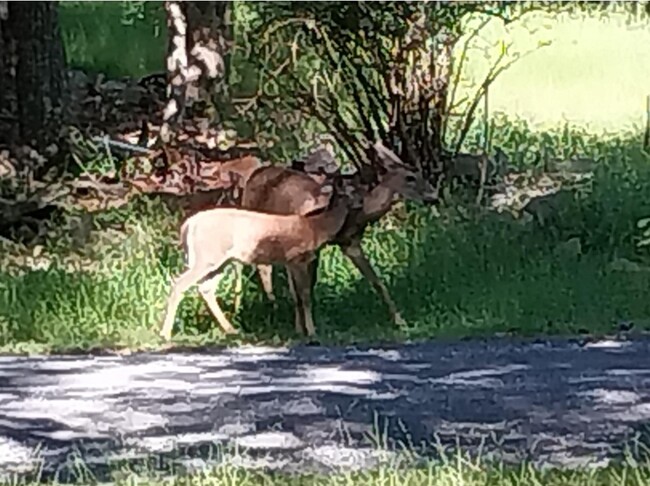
298 306
299 274
355 253
207 288
180 286
238 288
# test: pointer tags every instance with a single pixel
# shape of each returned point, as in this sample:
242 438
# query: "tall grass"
455 470
451 274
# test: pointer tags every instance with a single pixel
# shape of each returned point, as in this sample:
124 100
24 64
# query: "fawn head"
404 180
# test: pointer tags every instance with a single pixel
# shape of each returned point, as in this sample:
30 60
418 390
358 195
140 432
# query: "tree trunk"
40 75
196 60
4 14
8 111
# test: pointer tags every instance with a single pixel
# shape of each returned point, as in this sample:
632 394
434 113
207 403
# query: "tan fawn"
285 191
214 237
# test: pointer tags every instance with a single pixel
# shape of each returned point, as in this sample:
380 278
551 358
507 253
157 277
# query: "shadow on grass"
450 278
474 279
316 409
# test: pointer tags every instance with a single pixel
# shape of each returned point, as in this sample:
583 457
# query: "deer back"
280 190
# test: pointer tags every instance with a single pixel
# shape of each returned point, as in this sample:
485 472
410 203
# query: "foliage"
453 273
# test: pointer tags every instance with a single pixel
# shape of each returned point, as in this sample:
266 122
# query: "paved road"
556 402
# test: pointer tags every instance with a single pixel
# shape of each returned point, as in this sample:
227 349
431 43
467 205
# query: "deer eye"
410 178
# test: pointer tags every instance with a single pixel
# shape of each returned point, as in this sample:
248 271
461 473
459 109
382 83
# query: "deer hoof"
312 341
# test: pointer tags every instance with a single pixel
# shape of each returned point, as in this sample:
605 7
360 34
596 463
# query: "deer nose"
431 197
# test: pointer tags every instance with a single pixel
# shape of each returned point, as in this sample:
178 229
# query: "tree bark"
199 40
40 75
4 14
8 112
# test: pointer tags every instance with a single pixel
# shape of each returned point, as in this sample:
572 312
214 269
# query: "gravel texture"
310 408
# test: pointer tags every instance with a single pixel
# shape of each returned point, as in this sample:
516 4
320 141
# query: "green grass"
451 276
592 74
456 470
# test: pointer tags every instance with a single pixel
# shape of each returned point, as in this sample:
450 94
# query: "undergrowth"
453 273
452 470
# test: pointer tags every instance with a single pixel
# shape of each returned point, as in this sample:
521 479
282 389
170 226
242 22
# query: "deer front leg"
355 253
238 287
180 286
297 300
301 278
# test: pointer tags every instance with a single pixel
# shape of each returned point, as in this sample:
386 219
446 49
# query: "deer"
214 237
285 191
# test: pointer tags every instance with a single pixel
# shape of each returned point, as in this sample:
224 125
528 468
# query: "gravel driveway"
315 408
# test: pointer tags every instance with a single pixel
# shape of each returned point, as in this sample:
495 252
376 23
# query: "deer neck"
329 222
378 201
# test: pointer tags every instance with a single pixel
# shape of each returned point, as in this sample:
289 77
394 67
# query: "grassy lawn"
91 31
593 74
454 272
451 274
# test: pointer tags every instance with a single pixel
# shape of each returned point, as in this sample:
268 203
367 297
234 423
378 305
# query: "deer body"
281 190
214 237
254 237
288 191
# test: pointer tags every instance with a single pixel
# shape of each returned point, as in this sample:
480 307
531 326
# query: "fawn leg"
182 283
354 252
266 276
302 280
207 288
298 306
238 287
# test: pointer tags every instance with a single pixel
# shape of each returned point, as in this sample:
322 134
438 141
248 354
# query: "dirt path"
308 408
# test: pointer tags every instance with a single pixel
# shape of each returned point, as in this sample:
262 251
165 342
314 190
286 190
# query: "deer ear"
327 189
386 157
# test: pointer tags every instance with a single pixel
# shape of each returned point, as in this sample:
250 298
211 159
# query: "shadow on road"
310 408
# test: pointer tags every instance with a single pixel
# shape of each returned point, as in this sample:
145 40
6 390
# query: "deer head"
404 180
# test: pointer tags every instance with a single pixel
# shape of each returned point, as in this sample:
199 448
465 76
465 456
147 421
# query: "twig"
122 145
461 62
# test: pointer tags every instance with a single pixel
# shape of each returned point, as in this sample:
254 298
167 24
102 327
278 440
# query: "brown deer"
285 191
214 237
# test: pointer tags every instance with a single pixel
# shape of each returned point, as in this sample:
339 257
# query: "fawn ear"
320 161
319 202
